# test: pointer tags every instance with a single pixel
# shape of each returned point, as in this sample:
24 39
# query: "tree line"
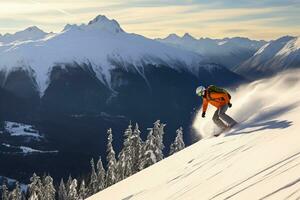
135 156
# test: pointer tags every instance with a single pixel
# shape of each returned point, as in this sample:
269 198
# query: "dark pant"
220 115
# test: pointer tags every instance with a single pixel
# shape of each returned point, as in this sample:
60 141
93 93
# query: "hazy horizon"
263 20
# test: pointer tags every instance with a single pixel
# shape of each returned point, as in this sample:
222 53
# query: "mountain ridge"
274 57
229 52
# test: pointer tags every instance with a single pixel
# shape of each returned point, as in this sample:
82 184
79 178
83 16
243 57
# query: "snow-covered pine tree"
35 188
48 189
62 192
158 133
111 173
148 156
100 175
172 148
125 156
4 190
68 184
137 144
16 194
93 187
73 194
152 150
83 192
178 143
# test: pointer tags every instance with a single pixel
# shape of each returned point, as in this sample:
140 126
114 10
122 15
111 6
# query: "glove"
203 114
229 105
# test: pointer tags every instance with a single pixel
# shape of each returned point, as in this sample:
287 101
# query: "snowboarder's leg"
231 122
218 121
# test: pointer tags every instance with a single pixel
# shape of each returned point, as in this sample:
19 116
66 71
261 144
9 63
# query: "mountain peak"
70 26
103 23
30 33
99 18
173 35
188 36
33 29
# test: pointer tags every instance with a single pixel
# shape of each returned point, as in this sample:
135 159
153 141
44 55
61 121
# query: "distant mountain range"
30 33
250 58
229 52
273 57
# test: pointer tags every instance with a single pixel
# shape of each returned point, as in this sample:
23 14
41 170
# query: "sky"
261 19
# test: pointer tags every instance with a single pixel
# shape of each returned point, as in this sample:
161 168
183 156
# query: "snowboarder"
219 98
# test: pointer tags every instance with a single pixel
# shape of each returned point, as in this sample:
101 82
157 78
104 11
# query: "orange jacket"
216 99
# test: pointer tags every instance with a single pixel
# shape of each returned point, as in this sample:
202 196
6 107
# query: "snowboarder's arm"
204 105
226 97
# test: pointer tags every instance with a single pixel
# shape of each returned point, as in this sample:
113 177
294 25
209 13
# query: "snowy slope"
19 129
226 51
260 159
275 56
101 43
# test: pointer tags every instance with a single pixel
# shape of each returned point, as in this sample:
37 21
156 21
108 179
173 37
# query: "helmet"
200 90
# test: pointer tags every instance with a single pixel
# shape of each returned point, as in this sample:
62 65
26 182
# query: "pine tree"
73 195
93 187
48 189
178 143
137 144
152 150
68 184
111 174
16 193
35 188
125 157
158 132
83 191
100 175
172 148
62 192
5 192
148 156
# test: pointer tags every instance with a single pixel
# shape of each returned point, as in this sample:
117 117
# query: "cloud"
52 8
236 30
264 19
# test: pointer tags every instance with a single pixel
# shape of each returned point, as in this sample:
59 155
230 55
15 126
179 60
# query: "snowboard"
224 131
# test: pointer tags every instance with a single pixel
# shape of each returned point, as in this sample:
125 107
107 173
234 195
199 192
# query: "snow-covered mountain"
273 57
228 51
101 43
30 33
259 159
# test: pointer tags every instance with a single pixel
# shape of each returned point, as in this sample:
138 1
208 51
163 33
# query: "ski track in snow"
259 159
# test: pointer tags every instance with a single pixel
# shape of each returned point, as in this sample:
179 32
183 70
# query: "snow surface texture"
27 150
260 159
15 129
19 129
98 43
